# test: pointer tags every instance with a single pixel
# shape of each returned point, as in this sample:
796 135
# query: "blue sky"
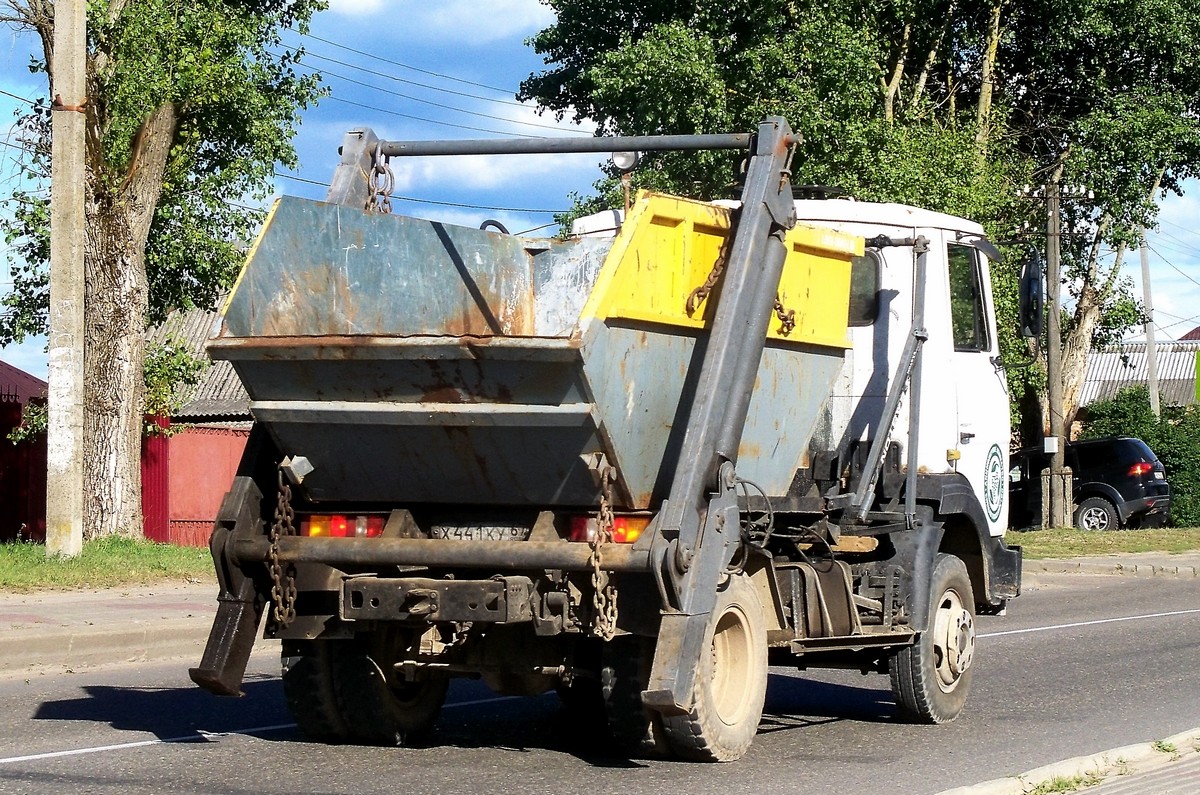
433 70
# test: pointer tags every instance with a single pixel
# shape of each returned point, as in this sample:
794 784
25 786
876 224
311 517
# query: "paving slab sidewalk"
50 630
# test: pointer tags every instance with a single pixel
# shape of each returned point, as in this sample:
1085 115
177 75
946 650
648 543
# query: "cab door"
979 383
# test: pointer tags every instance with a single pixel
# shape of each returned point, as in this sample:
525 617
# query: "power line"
428 121
1189 321
1174 267
415 200
411 98
310 53
408 66
15 96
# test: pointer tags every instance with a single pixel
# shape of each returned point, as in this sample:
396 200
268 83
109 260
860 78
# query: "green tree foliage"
706 66
189 108
170 370
1175 439
237 106
953 105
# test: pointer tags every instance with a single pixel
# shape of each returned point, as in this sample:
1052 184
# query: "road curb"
90 646
1083 566
38 653
1127 760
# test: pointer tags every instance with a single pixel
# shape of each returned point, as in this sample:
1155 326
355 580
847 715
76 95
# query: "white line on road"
212 735
204 735
1087 623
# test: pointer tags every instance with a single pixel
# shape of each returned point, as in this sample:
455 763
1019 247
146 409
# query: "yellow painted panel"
668 246
249 256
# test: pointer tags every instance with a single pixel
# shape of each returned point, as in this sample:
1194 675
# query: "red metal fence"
203 462
22 479
156 483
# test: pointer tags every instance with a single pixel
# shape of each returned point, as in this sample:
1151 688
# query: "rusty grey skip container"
416 362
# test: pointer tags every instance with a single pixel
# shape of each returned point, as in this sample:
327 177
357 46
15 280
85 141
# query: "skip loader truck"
637 469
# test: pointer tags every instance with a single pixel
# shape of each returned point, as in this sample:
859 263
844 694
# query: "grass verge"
104 563
1071 543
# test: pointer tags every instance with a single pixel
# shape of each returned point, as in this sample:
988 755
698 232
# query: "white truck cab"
964 419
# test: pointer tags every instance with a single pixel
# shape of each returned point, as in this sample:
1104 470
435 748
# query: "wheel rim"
953 640
732 656
1094 519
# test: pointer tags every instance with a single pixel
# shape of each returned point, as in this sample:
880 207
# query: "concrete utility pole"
1151 353
64 432
1058 514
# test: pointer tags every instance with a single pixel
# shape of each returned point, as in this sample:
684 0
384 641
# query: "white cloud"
516 174
478 23
355 8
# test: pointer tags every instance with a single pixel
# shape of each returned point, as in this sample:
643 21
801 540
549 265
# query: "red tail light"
626 529
342 526
1141 468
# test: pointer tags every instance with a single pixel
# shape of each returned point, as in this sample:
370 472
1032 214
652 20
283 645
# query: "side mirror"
1032 297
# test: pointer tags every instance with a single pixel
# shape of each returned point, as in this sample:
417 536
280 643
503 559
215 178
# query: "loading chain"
604 595
380 183
699 295
787 317
283 584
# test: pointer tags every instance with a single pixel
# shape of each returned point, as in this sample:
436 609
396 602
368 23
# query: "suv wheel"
1097 513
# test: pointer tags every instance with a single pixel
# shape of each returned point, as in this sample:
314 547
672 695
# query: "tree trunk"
892 87
987 78
116 301
115 295
1078 344
931 56
1092 297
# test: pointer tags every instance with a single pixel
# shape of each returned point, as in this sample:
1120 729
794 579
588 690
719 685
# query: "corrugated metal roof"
19 384
1110 371
219 395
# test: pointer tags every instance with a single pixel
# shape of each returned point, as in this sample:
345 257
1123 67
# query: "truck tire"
731 681
1097 513
636 731
307 677
931 678
380 706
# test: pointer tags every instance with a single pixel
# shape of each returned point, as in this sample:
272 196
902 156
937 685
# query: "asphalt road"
1080 664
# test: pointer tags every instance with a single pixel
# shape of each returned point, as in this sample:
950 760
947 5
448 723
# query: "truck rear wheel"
380 706
626 661
731 681
931 678
307 677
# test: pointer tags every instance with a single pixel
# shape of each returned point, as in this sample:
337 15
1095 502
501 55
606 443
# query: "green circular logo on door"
993 483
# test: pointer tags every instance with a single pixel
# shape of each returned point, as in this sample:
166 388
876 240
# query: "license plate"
1158 476
479 532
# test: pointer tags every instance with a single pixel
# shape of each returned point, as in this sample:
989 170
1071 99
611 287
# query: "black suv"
1118 482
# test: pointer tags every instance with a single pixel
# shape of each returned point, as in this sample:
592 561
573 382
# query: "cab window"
967 313
864 288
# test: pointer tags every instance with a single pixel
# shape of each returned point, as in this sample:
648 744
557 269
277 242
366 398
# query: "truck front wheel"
731 681
931 678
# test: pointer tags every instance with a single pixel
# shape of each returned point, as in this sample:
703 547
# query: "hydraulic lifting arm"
698 527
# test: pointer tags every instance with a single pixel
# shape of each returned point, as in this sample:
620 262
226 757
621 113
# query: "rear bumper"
1155 507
